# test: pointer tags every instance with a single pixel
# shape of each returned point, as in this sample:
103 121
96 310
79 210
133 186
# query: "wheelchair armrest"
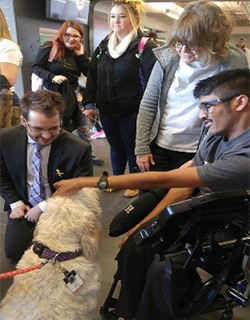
210 212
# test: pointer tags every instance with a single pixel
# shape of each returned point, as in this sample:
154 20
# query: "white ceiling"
155 9
239 10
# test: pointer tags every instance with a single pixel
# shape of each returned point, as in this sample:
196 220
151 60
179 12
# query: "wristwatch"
103 182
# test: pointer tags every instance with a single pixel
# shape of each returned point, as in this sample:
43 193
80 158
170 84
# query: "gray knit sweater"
155 96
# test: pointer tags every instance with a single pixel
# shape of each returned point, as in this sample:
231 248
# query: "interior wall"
100 28
30 16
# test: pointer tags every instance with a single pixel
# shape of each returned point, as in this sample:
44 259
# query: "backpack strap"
141 46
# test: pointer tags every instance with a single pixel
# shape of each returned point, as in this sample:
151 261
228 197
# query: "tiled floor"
111 204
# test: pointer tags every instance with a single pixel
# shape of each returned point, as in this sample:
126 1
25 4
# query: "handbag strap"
53 51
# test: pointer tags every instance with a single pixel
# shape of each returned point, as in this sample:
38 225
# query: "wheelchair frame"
195 221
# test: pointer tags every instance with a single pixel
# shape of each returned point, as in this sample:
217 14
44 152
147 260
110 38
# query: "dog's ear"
90 240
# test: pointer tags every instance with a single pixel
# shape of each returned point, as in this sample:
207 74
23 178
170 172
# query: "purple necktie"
37 191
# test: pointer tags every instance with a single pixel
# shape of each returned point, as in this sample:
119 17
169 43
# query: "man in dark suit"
62 155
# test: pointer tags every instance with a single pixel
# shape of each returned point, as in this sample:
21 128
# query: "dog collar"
44 252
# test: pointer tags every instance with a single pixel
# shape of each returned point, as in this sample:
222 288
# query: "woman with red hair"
59 62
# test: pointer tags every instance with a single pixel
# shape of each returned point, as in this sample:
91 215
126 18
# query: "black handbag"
72 115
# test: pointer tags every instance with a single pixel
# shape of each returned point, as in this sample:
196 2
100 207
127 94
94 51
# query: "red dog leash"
21 271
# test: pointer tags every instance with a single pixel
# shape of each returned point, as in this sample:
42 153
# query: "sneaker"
97 162
130 193
98 135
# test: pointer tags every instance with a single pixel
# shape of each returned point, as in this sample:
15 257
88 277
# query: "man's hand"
19 212
90 114
144 160
33 214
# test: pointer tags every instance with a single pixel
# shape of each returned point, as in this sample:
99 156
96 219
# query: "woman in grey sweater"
168 126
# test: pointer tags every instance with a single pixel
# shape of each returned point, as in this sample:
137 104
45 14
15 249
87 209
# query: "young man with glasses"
221 163
61 156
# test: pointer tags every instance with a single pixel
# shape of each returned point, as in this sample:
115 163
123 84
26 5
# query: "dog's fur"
68 224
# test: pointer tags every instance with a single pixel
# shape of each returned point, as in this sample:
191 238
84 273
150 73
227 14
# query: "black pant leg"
167 289
133 263
18 237
166 160
153 305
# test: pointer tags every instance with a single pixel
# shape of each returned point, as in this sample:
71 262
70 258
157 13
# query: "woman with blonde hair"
59 62
118 73
10 54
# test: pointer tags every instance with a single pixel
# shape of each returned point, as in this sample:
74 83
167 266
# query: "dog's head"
72 222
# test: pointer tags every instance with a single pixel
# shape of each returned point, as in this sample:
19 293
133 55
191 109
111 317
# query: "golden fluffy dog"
68 224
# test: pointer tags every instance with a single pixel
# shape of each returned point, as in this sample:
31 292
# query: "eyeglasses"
52 131
74 36
179 46
205 106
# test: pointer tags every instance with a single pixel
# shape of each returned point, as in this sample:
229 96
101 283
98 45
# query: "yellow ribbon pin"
59 173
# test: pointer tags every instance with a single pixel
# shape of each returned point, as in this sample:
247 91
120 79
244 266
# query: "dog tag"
73 281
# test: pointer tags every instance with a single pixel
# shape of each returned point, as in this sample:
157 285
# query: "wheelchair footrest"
238 296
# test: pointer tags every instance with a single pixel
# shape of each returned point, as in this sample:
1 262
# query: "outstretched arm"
182 177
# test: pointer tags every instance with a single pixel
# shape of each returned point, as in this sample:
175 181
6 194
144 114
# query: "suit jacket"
68 153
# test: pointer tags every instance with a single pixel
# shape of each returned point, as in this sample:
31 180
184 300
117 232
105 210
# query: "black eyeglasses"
179 46
205 106
74 36
53 130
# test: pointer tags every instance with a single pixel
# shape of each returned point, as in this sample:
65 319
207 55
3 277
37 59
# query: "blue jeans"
120 132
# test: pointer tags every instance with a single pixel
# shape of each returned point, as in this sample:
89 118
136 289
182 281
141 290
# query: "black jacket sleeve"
91 84
148 60
83 63
40 64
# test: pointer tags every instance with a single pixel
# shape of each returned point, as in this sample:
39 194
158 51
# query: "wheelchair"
191 228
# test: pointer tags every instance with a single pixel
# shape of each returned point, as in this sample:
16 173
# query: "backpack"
36 81
141 46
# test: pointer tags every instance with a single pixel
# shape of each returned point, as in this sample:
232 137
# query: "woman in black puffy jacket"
119 71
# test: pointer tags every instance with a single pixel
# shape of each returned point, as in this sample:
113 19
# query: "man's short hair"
233 82
47 102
